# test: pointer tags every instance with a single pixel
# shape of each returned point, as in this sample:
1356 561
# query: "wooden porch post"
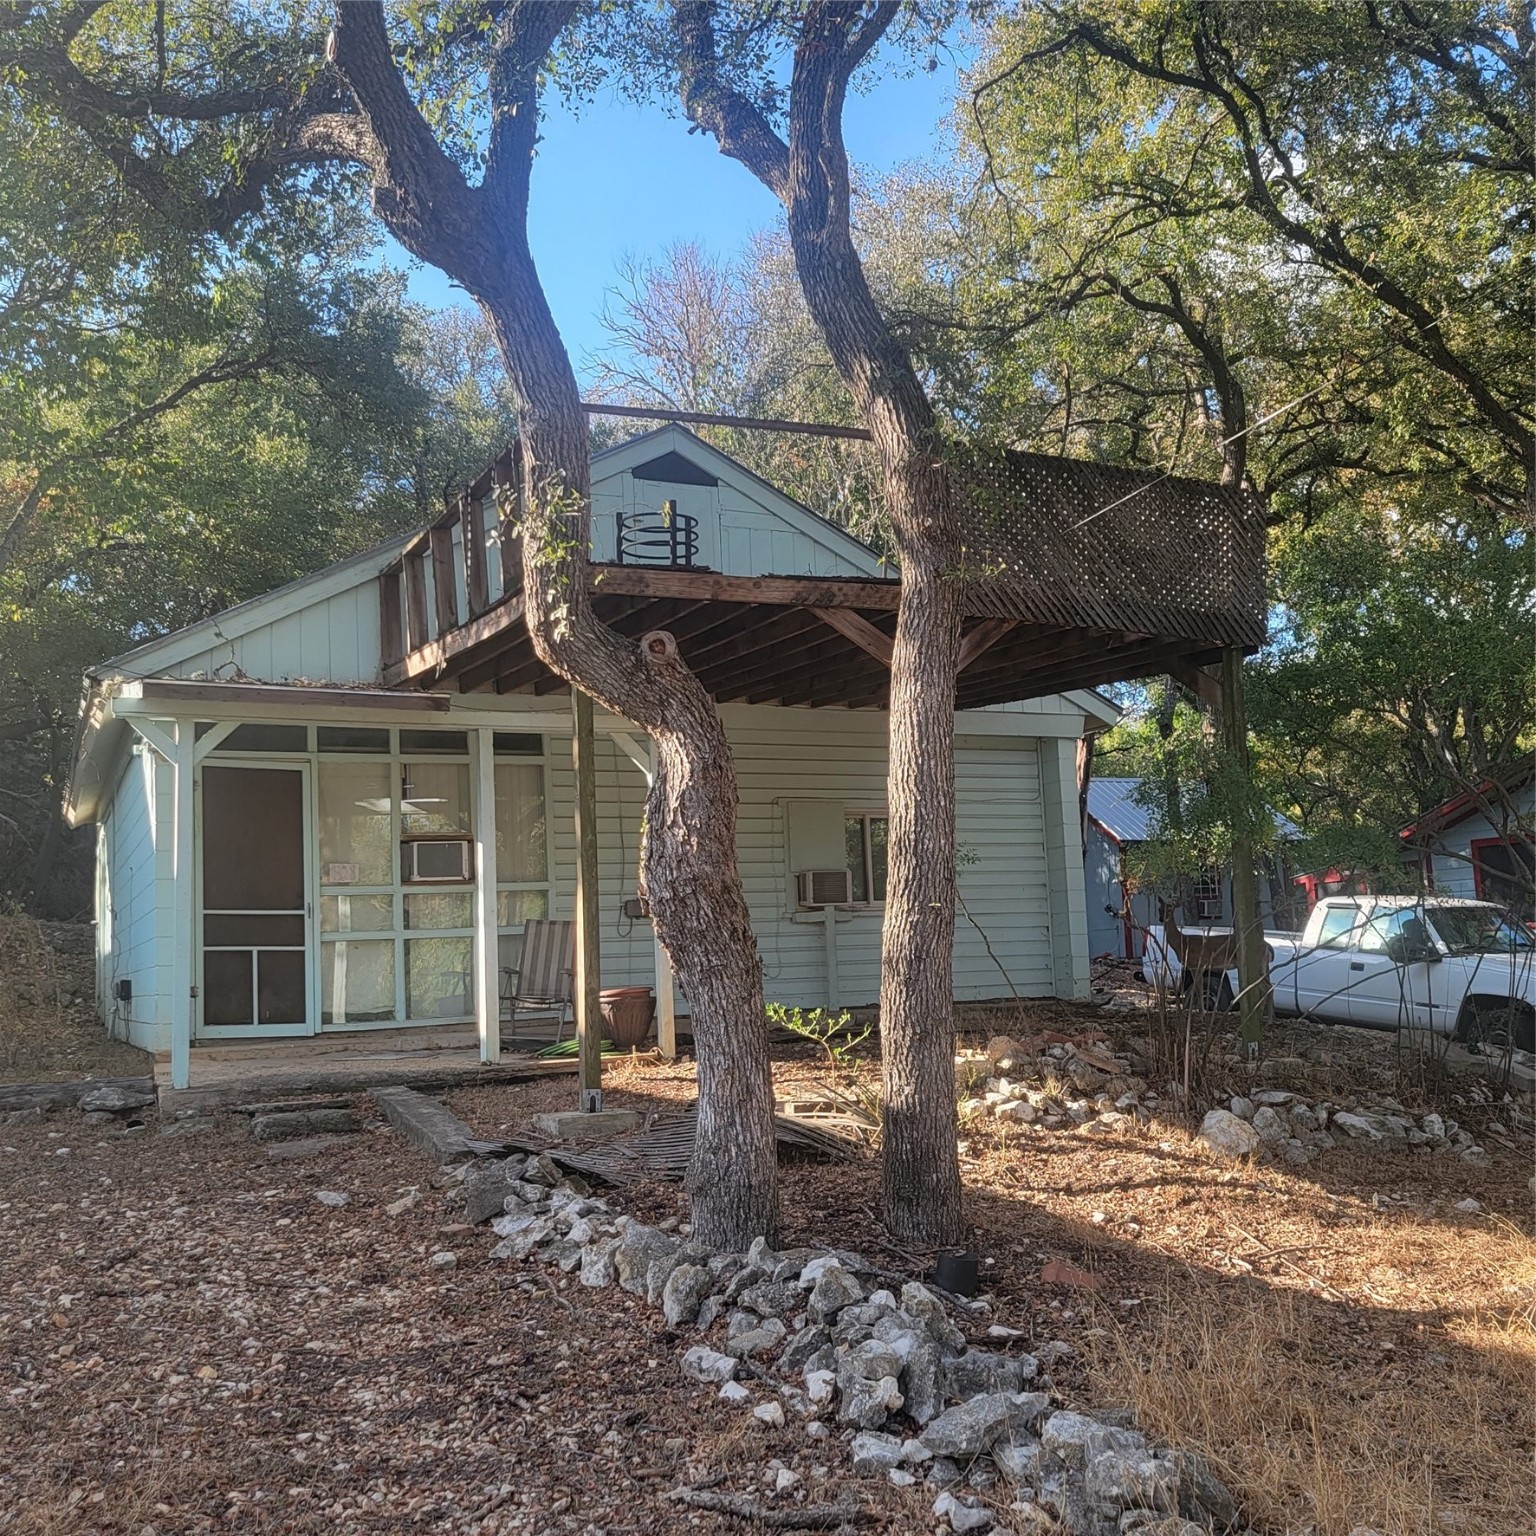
589 1027
666 996
487 940
1252 974
183 823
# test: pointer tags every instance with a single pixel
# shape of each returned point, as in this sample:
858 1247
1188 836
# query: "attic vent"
823 887
673 467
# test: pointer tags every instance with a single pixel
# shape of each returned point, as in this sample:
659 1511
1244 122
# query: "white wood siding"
131 921
332 640
739 534
1452 850
838 756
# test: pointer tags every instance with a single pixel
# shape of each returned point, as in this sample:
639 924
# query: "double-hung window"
866 836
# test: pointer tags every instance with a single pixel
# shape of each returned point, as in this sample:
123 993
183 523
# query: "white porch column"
487 940
182 880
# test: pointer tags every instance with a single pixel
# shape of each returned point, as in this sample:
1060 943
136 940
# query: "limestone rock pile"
821 1339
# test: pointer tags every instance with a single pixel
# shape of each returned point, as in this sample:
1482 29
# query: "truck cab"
1462 968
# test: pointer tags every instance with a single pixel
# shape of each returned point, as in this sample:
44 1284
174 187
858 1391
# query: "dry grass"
1315 1444
1343 1343
49 1031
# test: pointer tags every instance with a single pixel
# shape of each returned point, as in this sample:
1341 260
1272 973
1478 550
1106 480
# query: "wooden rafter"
982 638
855 627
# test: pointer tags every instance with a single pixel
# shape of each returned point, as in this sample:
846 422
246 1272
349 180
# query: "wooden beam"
855 627
982 638
415 603
827 677
589 1023
779 591
511 560
477 668
255 696
1067 645
429 657
784 663
1200 683
713 419
773 641
1078 672
391 618
445 592
527 671
1253 994
747 631
477 575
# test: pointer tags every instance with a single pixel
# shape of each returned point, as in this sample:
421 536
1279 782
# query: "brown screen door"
255 901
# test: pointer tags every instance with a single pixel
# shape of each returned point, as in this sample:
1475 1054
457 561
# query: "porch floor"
235 1070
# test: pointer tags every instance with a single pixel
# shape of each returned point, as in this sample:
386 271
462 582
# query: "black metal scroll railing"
658 536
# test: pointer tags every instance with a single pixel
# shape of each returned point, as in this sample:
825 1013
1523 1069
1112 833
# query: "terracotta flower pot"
627 1015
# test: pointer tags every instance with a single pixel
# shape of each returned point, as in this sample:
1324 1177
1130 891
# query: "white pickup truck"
1462 968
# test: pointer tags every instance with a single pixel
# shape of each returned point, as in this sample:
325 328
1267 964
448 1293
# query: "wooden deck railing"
456 569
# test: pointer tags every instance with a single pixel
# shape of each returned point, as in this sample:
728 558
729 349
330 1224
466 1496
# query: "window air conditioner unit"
824 887
436 861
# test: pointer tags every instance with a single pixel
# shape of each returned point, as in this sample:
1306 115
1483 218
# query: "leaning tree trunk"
809 175
478 236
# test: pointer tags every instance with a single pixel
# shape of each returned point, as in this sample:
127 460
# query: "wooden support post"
487 937
477 576
445 586
183 766
666 994
414 572
1252 973
391 618
589 1024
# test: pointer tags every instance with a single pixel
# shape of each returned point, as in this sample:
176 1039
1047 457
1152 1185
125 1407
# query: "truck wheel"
1216 992
1497 1026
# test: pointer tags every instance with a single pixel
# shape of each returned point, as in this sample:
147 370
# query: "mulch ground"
191 1342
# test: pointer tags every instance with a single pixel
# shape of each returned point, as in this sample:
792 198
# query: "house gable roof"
1470 802
673 441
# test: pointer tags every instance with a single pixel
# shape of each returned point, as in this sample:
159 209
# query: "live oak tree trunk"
809 174
478 236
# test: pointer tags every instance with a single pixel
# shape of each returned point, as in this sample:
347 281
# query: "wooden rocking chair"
544 980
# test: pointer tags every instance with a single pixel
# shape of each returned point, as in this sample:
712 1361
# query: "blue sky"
621 179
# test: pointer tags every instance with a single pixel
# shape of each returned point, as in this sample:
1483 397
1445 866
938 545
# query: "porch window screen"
522 847
393 951
356 845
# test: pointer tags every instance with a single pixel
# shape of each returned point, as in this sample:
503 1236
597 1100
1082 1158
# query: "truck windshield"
1479 931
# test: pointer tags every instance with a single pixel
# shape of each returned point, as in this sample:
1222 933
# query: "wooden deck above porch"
1091 576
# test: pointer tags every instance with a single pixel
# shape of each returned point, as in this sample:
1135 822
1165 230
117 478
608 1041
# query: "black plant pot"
958 1273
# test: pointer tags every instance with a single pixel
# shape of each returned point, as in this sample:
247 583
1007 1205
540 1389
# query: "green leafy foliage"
835 1033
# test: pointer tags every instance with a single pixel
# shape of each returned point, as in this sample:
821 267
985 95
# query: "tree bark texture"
809 174
478 236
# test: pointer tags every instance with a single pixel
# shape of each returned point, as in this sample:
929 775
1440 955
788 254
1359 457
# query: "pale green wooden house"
333 807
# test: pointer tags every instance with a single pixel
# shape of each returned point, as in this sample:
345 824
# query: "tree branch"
740 128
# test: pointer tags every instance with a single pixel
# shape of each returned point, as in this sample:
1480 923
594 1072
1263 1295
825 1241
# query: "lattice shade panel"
1063 541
